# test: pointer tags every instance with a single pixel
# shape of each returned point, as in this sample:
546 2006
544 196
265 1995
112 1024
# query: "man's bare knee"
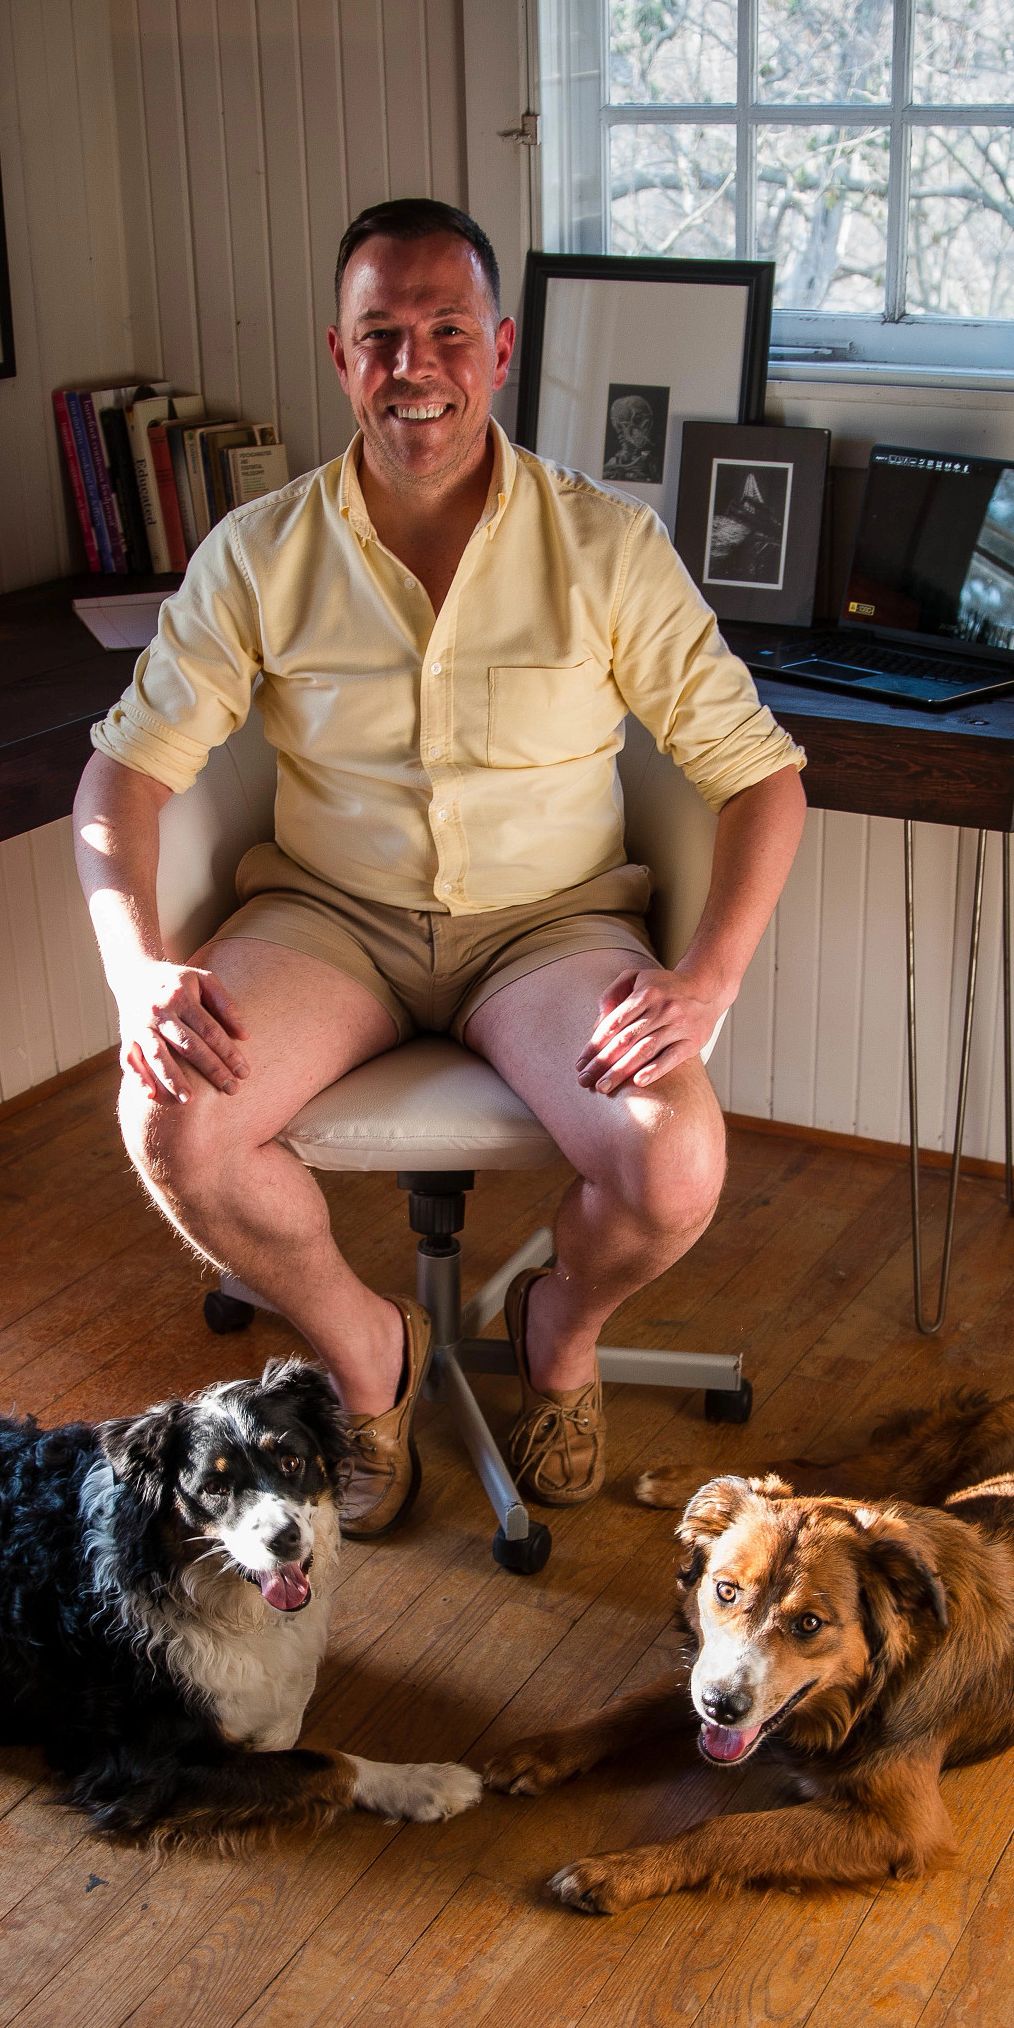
672 1164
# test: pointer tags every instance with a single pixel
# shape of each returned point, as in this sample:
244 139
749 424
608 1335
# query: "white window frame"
576 119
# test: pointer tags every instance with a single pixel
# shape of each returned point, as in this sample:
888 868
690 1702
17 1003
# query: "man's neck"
428 527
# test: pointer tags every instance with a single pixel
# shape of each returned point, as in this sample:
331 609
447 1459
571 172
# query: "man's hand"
173 1016
649 1022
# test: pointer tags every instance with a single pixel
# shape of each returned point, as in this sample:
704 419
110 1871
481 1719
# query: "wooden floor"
439 1654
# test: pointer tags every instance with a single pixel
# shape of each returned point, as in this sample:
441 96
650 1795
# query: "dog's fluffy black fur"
159 1630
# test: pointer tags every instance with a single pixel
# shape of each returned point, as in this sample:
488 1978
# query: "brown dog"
868 1646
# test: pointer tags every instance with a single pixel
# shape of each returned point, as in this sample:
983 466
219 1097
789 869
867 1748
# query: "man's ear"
901 1588
142 1450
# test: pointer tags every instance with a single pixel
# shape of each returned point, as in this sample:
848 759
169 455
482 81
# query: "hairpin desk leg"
930 1328
1008 1038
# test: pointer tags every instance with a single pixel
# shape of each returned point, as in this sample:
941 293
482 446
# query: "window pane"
822 215
675 52
835 51
962 54
961 222
673 191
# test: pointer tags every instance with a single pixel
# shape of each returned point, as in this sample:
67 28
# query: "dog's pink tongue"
286 1588
722 1742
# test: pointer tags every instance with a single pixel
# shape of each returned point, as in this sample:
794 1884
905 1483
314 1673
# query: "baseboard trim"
77 1074
859 1144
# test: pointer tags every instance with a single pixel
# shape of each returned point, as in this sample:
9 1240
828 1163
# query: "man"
449 634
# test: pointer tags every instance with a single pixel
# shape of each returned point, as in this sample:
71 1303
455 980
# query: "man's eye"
725 1591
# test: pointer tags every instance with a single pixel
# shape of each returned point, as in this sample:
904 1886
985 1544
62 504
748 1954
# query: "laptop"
927 616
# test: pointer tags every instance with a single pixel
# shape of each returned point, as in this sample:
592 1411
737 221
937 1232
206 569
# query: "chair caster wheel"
223 1314
726 1404
528 1555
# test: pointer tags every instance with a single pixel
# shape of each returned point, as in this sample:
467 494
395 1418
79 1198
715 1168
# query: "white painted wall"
176 176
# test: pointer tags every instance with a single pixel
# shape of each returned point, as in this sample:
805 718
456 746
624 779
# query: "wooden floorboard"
438 1653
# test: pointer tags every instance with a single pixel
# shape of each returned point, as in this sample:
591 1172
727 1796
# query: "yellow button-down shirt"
463 761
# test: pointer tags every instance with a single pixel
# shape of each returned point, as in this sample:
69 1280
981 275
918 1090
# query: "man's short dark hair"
416 218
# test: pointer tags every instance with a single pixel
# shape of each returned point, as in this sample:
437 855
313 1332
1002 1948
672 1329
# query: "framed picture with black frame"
748 518
6 320
617 350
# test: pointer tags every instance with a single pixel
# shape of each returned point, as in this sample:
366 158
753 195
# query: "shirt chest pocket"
539 716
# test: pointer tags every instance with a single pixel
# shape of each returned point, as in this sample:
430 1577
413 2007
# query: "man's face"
420 354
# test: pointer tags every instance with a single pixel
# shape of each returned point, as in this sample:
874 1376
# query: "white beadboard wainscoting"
817 1036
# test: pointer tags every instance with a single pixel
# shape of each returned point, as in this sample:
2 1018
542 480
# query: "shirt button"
410 584
436 668
443 813
447 887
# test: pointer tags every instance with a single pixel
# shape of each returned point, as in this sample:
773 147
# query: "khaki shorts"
431 970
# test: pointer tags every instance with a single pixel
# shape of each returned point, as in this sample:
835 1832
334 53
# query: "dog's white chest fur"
256 1666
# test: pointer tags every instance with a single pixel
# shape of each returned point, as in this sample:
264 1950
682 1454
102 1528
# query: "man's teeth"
418 413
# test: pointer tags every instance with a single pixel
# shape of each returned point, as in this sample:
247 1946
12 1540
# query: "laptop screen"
934 553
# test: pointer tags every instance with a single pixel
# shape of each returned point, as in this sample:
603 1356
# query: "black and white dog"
165 1591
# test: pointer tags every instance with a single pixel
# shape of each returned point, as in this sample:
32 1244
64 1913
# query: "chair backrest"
670 828
205 832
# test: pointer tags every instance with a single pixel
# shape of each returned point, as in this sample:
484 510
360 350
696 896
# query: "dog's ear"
142 1449
313 1401
712 1510
901 1589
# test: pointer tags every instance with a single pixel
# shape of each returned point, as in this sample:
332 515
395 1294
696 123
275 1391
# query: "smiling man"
448 633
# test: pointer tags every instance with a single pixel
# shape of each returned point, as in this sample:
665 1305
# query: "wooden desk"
55 680
884 760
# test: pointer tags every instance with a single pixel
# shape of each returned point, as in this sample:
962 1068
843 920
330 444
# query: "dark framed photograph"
617 351
748 519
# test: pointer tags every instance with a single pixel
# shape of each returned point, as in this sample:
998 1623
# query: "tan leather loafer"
557 1447
384 1473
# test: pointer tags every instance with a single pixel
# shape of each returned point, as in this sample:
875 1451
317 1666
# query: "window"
865 146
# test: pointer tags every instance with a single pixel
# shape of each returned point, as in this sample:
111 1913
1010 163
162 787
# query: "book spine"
124 478
147 491
165 479
91 484
76 481
110 511
198 496
178 454
212 482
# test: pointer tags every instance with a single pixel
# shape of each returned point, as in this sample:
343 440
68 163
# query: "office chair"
434 1113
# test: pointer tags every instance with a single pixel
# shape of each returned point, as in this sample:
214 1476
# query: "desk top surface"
874 758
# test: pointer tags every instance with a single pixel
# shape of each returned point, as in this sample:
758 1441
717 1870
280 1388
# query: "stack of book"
151 473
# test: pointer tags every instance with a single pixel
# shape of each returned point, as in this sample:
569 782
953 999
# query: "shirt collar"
352 505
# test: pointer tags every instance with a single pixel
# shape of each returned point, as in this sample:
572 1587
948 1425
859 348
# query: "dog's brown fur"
910 1670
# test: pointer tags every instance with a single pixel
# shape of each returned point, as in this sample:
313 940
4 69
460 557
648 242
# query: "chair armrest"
205 832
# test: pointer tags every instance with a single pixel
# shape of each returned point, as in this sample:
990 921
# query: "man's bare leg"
245 1203
650 1161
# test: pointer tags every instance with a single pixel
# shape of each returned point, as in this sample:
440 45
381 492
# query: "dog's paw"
592 1885
662 1489
527 1768
423 1791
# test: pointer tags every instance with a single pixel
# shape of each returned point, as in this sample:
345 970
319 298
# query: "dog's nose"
286 1542
724 1705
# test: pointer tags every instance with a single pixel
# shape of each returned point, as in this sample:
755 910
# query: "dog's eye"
726 1592
807 1625
290 1464
214 1487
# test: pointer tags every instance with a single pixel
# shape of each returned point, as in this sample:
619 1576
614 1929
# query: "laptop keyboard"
881 661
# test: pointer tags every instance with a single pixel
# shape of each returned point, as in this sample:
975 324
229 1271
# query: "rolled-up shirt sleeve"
192 687
675 673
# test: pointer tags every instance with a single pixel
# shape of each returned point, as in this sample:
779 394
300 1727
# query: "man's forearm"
116 813
755 844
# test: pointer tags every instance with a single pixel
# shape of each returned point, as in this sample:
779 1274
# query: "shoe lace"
547 1429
